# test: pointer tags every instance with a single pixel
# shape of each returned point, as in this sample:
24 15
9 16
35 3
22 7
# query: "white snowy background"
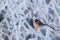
18 21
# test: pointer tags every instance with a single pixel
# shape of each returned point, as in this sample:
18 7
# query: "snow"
18 16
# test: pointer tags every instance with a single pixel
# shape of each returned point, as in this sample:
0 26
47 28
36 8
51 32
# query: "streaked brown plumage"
37 23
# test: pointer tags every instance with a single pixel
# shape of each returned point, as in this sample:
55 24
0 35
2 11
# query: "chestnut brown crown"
39 22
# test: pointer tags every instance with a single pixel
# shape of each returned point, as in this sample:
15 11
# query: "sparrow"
37 23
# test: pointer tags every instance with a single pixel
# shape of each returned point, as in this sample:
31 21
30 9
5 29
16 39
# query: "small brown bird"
37 23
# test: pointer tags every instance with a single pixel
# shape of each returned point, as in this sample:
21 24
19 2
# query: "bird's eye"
36 20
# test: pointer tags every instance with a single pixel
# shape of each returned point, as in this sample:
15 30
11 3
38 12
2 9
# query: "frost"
17 16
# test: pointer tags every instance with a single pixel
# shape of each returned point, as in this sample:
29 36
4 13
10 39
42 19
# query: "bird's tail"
49 26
